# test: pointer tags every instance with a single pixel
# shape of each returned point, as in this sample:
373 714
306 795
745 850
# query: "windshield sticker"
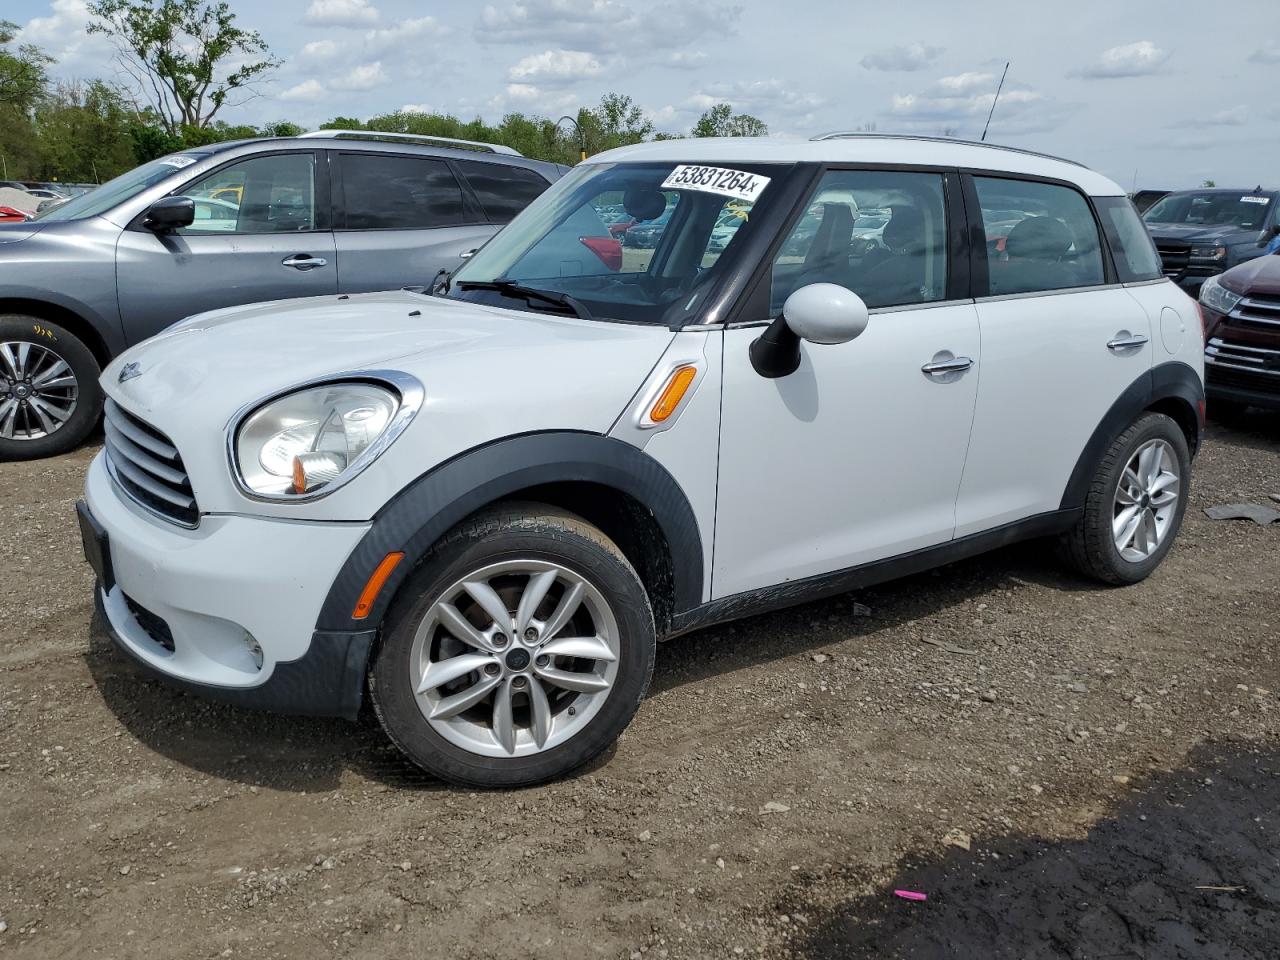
178 161
727 183
1254 200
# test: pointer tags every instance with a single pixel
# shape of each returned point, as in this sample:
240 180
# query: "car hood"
487 373
1192 232
1261 275
18 230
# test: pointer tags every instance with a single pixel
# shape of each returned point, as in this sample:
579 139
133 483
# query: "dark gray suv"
224 225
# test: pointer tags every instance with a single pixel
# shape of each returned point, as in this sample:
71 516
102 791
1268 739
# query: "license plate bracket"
97 549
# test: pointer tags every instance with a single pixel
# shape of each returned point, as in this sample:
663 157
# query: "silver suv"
224 225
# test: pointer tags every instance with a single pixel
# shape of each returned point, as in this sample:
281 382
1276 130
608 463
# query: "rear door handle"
303 261
1124 340
937 368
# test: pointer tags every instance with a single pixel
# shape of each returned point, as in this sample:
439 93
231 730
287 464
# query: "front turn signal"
676 387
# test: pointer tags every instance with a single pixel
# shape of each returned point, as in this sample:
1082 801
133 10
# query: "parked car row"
1201 233
224 225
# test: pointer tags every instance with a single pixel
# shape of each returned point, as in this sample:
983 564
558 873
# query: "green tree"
721 121
82 133
22 71
1209 183
187 58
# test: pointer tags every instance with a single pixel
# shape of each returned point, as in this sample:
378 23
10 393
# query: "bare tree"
187 58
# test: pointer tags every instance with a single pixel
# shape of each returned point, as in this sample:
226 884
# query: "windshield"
637 242
1217 209
103 198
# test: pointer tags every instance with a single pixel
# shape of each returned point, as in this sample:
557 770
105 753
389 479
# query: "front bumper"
197 606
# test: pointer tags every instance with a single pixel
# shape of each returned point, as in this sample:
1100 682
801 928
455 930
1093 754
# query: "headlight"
1208 253
1217 297
311 441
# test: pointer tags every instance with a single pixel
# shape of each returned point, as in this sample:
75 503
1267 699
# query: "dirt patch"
782 767
1186 869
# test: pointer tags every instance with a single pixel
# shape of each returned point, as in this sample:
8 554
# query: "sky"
1153 94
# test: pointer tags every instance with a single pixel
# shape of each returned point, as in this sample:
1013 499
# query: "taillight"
608 249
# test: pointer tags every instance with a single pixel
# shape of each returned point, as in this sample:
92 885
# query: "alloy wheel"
38 391
1146 500
515 658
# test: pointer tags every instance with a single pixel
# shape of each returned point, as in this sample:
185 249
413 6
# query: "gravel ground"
783 769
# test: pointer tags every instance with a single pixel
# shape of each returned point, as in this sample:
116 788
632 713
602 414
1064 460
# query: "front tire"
1135 505
50 399
518 651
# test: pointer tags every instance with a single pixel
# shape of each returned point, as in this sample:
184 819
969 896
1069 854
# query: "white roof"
865 148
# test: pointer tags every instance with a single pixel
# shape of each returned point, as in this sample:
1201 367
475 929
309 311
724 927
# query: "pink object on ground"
910 895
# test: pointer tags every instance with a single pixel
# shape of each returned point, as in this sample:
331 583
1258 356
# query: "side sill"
766 599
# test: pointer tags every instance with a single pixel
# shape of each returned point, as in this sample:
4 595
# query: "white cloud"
555 68
604 25
1130 60
530 98
366 76
403 33
340 13
1240 116
417 108
686 59
1267 54
320 49
308 90
962 102
756 95
914 56
63 35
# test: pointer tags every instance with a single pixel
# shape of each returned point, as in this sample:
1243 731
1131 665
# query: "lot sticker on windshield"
178 161
1254 200
720 180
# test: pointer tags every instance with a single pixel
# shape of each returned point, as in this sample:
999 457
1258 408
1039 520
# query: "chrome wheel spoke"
490 603
569 680
534 593
504 724
47 414
8 414
1124 538
569 603
455 704
1166 497
13 356
540 713
446 671
54 372
587 648
1123 519
460 627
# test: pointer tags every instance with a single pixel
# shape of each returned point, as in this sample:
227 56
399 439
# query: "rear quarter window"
1132 248
502 189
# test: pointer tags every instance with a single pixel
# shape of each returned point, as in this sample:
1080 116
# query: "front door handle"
940 368
304 261
1124 340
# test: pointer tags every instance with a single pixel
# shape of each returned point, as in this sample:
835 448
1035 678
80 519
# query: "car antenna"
994 101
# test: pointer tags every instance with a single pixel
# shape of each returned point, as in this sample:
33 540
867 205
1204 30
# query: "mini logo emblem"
129 371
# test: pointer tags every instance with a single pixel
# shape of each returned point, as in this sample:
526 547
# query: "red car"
12 215
1242 336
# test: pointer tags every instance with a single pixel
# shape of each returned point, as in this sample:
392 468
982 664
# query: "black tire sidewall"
51 336
1150 427
538 538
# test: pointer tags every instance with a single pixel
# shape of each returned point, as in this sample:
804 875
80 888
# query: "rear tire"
1135 504
50 399
558 650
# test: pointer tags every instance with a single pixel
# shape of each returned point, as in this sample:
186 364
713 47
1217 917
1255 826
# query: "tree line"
185 64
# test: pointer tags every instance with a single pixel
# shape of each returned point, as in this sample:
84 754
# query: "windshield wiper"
509 288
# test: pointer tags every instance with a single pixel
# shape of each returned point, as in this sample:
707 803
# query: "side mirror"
1269 234
170 213
820 313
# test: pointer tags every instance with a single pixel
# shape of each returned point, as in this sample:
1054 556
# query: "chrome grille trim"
146 466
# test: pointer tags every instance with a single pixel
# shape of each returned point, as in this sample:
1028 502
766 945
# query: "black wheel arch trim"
428 507
1172 380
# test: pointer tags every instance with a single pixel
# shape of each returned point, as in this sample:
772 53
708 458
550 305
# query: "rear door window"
1131 245
1040 236
502 189
275 193
385 191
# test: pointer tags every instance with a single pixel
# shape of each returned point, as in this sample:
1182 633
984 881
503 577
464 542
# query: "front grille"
1238 365
1174 257
152 625
146 465
1258 309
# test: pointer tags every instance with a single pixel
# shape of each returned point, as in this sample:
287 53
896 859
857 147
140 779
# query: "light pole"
582 141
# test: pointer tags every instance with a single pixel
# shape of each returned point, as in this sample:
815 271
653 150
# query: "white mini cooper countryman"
816 365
